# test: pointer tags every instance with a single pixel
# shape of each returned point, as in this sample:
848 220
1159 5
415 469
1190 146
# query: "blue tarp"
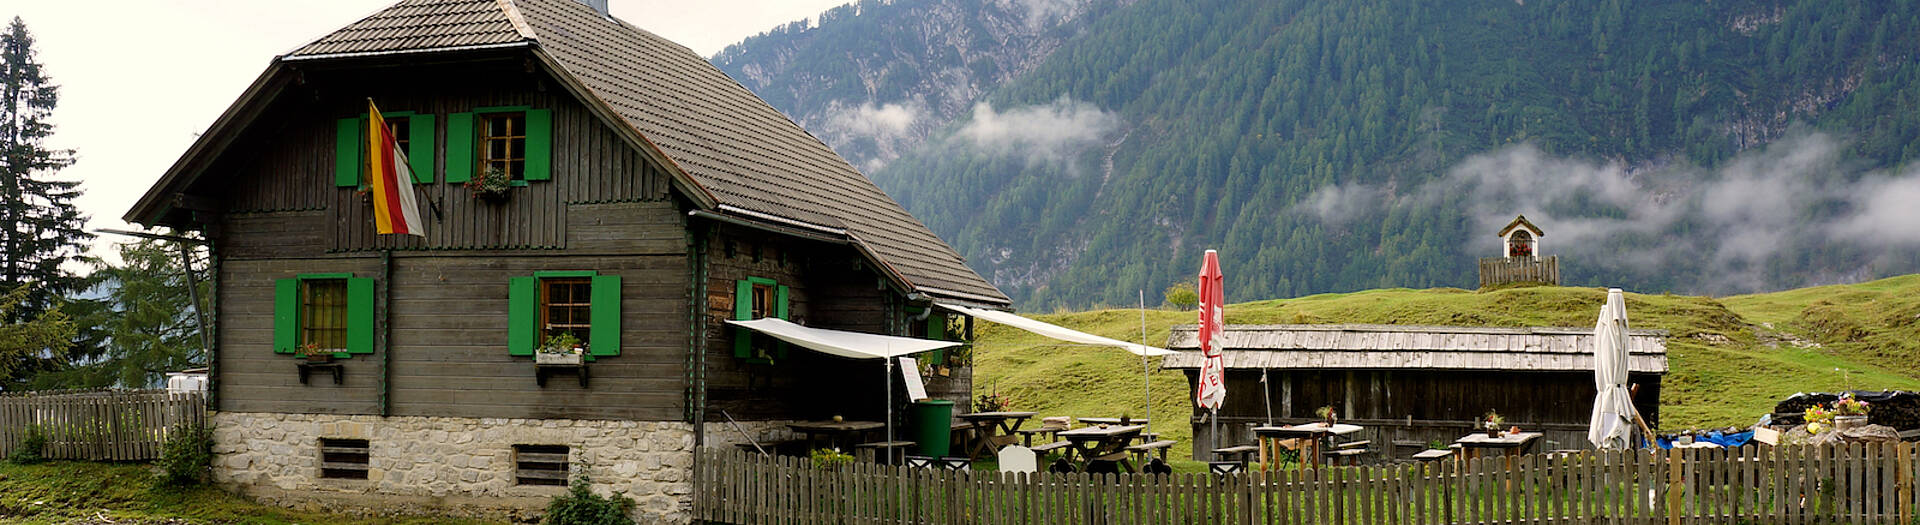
1725 439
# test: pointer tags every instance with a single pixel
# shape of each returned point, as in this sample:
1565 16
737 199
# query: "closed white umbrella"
1611 426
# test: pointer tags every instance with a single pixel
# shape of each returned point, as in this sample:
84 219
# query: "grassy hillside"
1727 366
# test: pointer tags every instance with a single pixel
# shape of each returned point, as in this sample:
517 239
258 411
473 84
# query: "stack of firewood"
1900 410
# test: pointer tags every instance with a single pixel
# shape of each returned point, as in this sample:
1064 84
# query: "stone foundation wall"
464 466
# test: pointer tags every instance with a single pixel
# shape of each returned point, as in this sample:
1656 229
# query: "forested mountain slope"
873 78
1326 146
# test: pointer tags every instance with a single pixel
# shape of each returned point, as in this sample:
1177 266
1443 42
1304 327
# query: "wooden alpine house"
597 202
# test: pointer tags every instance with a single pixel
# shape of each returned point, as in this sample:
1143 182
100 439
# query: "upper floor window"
503 143
402 129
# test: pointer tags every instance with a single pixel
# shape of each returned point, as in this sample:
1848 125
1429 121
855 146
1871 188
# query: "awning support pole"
889 380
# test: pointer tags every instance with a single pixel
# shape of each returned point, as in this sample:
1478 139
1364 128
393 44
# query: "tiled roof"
418 25
738 148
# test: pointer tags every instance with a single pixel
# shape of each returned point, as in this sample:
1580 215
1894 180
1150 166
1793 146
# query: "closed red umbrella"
1213 373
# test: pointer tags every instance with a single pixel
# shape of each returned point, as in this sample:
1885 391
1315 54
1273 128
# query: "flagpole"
1146 374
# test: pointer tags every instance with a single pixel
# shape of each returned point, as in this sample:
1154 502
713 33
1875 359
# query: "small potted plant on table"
561 349
1492 422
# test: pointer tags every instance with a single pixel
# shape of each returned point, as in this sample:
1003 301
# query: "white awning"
854 345
1055 331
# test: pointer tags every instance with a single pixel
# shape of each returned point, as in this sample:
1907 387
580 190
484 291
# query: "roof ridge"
330 32
519 22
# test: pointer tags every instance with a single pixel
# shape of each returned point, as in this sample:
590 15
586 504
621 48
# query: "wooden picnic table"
1101 444
834 431
995 429
1473 445
1314 433
1111 421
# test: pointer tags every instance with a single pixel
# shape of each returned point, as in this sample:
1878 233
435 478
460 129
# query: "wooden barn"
1412 386
645 199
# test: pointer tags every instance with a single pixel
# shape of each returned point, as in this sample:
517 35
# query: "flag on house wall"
394 209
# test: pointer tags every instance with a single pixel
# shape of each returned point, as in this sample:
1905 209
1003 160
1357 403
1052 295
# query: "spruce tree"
40 229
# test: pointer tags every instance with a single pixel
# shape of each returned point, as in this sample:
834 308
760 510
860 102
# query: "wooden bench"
1146 450
772 447
1240 453
870 451
1038 449
1353 444
1350 455
962 433
1026 434
1433 454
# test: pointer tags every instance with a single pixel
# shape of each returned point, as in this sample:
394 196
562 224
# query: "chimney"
597 5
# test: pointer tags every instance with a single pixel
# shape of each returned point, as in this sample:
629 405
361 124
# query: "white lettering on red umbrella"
1213 373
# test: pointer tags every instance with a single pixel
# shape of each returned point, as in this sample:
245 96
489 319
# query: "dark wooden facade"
1406 411
442 300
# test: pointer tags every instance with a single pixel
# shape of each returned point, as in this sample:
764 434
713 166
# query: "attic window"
503 143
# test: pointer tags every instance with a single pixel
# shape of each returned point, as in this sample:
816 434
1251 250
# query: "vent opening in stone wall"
343 458
540 465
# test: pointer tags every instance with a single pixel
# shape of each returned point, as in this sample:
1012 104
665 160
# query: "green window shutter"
360 315
539 144
460 154
605 330
937 330
523 296
420 148
742 310
346 153
286 315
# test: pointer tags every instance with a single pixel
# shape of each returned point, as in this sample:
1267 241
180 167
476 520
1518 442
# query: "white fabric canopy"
1611 426
1055 331
854 345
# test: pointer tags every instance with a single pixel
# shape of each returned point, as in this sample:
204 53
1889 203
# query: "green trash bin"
932 427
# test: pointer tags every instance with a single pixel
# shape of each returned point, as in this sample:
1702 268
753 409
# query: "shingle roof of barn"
1364 346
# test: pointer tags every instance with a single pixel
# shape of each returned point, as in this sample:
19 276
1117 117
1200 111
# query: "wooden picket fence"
1503 270
98 425
1754 484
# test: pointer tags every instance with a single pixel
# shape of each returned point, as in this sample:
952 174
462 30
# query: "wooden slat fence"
98 425
1846 484
1502 270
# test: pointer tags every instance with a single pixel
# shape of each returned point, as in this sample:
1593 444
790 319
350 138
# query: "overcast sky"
140 79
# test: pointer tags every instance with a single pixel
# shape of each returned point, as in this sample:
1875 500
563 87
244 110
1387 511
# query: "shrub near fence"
98 425
1850 484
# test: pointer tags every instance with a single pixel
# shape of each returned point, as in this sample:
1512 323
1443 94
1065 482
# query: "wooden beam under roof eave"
159 199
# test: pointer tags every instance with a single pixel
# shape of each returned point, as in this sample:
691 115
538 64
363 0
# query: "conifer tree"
40 229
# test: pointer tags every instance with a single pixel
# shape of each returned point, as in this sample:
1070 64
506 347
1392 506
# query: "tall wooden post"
1674 483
